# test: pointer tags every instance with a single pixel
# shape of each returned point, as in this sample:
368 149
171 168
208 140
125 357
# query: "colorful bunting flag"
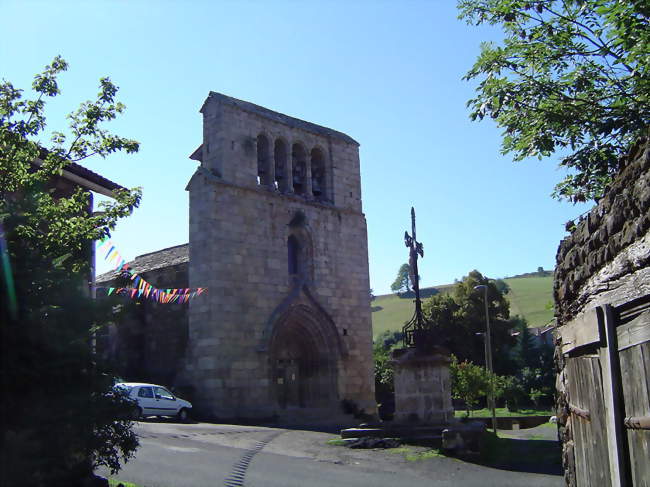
140 286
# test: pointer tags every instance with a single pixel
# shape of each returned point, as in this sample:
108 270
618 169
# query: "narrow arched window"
293 250
299 168
263 160
318 174
280 159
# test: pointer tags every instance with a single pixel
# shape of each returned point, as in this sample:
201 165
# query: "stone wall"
596 263
150 341
239 231
422 387
604 260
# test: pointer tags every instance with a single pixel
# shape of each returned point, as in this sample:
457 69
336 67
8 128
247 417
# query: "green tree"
525 351
402 282
513 392
469 382
384 385
570 77
459 319
502 286
59 418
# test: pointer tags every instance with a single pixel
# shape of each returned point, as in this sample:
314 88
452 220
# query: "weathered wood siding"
602 296
635 372
587 421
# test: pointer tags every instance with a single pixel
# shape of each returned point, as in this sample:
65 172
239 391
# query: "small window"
293 249
145 392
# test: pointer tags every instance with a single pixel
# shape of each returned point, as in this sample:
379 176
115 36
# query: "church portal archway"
303 357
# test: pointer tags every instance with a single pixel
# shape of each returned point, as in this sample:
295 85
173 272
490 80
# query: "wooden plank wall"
635 369
588 421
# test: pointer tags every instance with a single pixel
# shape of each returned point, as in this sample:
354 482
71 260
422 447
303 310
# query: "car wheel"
137 414
183 415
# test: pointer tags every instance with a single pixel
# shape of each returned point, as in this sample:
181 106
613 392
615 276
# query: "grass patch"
115 483
391 312
532 298
503 412
336 442
423 455
400 449
414 456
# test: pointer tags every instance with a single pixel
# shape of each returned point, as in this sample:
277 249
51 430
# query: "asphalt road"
203 455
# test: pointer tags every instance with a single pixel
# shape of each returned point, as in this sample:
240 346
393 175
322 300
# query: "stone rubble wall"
607 245
604 260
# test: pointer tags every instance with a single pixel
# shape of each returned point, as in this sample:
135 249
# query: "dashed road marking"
238 471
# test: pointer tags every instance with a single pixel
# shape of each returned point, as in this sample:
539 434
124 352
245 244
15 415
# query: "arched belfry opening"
280 161
263 161
299 165
318 182
303 355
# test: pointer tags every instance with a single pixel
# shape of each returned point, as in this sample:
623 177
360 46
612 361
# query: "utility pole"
488 355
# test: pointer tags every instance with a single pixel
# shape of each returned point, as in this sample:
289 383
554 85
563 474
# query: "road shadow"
166 419
521 455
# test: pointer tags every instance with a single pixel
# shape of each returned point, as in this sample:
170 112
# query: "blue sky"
386 73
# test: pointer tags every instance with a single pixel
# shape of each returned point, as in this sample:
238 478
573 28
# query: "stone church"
278 236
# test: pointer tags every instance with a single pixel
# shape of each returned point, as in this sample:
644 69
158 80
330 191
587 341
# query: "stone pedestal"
422 387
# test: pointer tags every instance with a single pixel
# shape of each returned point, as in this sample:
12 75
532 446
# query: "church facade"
278 237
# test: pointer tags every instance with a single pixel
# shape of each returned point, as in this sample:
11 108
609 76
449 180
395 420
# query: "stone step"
403 432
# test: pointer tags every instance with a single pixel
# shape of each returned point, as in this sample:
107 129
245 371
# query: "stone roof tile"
159 259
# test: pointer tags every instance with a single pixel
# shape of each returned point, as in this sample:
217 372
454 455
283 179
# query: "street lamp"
488 354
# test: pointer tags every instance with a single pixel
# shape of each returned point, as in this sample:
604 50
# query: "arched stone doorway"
303 356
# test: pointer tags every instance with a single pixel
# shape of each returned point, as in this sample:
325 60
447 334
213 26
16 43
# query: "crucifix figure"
415 248
415 333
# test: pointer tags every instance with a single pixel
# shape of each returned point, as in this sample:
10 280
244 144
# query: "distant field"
530 297
390 312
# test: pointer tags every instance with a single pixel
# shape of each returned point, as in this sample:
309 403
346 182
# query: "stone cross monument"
421 369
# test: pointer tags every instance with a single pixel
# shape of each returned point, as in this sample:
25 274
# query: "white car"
155 400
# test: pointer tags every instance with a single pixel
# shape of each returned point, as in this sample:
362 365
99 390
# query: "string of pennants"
140 287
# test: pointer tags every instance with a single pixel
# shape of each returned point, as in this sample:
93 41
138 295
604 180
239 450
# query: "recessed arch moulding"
285 328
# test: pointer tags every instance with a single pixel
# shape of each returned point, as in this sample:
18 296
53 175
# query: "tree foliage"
60 417
570 77
459 319
470 382
402 282
502 286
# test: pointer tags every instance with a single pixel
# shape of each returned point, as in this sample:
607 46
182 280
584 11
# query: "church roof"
280 117
159 259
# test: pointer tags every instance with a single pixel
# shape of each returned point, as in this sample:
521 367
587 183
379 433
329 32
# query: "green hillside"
530 297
